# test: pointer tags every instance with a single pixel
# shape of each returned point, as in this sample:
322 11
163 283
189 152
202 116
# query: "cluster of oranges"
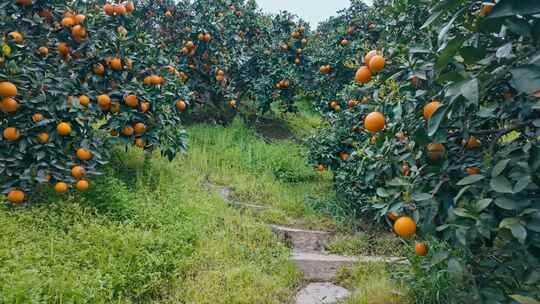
119 9
373 63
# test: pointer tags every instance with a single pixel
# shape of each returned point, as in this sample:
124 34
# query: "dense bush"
455 145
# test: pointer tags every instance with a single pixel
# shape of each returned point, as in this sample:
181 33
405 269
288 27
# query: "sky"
313 11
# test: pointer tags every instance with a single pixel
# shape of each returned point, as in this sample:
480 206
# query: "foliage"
478 191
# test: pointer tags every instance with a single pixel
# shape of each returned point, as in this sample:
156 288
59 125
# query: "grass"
151 233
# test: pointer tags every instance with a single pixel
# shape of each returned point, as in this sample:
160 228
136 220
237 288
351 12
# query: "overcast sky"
313 11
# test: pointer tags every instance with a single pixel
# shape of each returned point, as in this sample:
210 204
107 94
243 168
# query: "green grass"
154 234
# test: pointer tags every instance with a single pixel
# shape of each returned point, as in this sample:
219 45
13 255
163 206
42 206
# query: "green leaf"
436 119
451 49
483 204
418 197
507 8
499 167
508 222
526 79
471 54
506 203
524 300
501 184
471 179
522 183
454 267
519 232
382 192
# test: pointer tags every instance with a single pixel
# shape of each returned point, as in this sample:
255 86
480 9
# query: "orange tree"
448 140
73 75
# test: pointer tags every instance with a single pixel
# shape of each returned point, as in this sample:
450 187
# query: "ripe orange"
78 172
374 122
435 151
104 101
84 154
302 29
351 103
67 22
99 69
320 168
9 105
78 31
84 100
116 64
119 9
295 35
369 56
139 142
145 106
487 7
16 36
43 138
406 170
15 196
337 108
473 143
43 50
430 108
63 49
7 89
344 156
11 134
82 185
232 104
63 129
363 75
421 249
24 2
405 227
376 64
131 101
344 42
139 128
109 9
130 7
61 187
128 130
37 117
79 18
190 44
473 170
181 105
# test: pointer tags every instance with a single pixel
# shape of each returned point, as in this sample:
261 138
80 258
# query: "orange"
116 64
337 108
43 50
104 101
67 22
537 94
78 31
79 18
344 42
130 7
61 187
374 122
129 63
145 106
84 100
487 7
16 36
405 227
37 117
430 108
119 9
9 105
181 105
24 2
369 56
363 75
63 49
302 29
232 104
406 170
344 156
7 89
421 249
320 168
435 151
139 128
109 9
131 101
63 129
82 185
295 34
43 138
11 134
139 142
127 131
473 143
15 196
190 44
304 41
473 170
78 172
99 69
115 107
376 64
84 154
